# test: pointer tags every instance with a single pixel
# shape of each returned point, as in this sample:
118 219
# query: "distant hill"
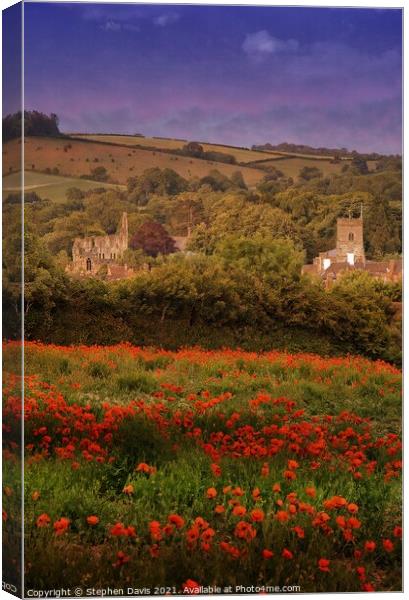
304 149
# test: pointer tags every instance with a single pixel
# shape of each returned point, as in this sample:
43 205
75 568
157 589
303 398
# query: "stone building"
99 255
349 255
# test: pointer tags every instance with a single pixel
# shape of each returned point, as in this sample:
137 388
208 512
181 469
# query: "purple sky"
237 75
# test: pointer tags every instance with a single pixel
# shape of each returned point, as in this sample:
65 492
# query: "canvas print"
202 299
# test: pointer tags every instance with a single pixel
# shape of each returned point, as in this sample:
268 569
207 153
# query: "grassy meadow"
49 186
195 468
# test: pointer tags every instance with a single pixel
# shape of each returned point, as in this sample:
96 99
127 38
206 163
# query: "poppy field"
161 471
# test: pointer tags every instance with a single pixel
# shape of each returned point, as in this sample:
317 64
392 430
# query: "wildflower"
387 545
208 534
353 508
117 530
290 475
334 502
35 496
190 586
341 521
192 535
367 587
128 489
154 550
292 465
92 520
201 523
310 491
287 554
211 493
276 488
397 532
267 553
245 531
61 526
155 530
219 509
239 511
257 515
256 493
265 470
323 565
144 468
176 520
43 520
282 516
370 546
299 531
122 559
354 523
216 469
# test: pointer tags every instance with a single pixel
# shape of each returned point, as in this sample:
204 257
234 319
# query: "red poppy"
323 564
257 515
61 526
43 520
387 545
370 546
190 586
211 492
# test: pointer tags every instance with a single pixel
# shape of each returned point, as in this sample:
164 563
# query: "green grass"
53 187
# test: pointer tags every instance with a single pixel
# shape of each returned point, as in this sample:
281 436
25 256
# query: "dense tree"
153 239
35 124
308 173
155 181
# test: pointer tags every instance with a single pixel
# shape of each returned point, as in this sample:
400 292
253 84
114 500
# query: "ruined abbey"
99 255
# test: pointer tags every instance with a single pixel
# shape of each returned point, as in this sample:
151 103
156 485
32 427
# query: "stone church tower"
350 240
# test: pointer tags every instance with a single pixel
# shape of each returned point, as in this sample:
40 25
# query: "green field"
53 187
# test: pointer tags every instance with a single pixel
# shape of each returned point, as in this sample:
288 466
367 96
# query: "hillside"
75 158
124 157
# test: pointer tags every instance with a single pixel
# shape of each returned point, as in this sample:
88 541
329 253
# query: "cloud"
166 19
111 26
261 44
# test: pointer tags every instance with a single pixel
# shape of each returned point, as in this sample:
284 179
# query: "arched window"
351 237
89 264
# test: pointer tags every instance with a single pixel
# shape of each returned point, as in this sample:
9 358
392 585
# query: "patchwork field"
194 468
53 187
74 158
291 167
241 154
